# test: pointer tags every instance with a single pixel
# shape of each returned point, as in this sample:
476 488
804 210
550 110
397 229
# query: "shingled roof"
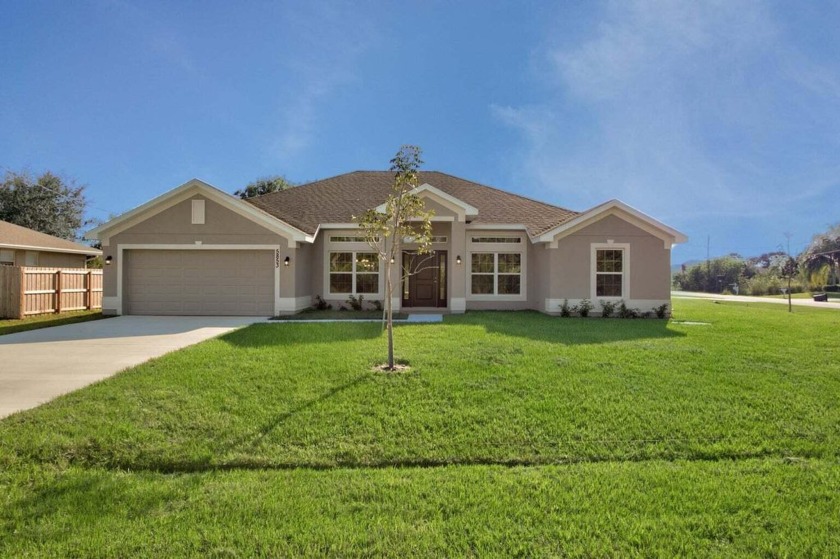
338 199
17 237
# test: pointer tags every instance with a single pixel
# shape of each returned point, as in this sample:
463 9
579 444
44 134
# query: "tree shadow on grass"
288 334
568 331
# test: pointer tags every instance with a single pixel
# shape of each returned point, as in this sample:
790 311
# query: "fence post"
22 288
58 291
89 304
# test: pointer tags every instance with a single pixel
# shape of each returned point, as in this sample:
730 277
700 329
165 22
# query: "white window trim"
331 295
625 274
520 248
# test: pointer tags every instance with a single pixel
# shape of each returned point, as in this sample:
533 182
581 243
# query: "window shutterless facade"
353 272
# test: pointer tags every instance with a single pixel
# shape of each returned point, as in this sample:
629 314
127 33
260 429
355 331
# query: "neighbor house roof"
16 237
338 199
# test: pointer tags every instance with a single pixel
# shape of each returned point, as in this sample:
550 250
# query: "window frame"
353 274
625 271
518 247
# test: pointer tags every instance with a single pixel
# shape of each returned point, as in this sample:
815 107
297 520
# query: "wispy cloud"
681 108
328 40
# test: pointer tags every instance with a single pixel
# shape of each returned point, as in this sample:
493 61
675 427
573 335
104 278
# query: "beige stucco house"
20 246
196 250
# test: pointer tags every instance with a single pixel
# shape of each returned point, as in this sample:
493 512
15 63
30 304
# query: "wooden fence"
26 291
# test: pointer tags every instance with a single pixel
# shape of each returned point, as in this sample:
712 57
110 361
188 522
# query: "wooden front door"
424 279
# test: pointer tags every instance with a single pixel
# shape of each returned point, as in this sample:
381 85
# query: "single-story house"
197 250
20 246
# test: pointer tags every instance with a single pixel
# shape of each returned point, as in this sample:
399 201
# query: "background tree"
264 185
404 215
48 203
824 250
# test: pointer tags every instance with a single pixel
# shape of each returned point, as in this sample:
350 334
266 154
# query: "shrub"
565 309
584 307
320 304
661 311
626 312
356 303
377 305
607 308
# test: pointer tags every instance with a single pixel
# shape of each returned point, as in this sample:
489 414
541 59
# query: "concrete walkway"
38 365
747 299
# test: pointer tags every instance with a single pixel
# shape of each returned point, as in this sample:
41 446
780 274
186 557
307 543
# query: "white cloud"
327 41
681 109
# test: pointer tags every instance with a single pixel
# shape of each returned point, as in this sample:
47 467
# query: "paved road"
38 365
748 299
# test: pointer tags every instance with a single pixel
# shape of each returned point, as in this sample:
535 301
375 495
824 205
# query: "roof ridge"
508 192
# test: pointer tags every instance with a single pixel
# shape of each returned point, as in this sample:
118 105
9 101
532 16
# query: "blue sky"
720 118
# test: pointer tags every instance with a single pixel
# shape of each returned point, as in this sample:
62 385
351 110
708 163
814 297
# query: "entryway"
425 284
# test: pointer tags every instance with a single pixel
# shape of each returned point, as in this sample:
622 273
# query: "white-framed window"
350 239
7 257
495 273
610 271
353 272
496 266
497 240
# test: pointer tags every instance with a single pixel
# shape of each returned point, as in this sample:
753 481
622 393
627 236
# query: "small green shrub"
565 309
321 305
607 308
377 305
584 307
626 312
661 311
356 303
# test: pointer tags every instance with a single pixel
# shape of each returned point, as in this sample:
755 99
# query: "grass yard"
10 326
513 434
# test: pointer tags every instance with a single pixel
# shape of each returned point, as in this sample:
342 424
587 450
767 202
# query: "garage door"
199 282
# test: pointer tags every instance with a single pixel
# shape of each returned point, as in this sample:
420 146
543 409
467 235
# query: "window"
7 257
31 258
350 239
494 273
354 272
440 239
508 240
609 272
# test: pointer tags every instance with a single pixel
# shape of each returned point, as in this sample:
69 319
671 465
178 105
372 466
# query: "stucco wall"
648 260
174 226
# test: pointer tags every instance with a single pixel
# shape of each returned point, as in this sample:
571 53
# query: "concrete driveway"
38 365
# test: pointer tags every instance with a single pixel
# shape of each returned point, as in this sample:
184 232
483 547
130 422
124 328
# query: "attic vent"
198 212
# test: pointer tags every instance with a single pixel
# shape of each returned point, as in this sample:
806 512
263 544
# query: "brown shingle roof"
15 236
338 199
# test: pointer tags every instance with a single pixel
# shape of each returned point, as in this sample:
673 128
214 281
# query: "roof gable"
22 238
618 208
184 192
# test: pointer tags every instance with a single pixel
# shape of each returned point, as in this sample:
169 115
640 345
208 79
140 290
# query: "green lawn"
10 326
512 434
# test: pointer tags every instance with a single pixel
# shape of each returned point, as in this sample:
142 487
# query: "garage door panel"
199 282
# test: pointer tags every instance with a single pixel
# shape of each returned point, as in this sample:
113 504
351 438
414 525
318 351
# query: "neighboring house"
198 250
20 246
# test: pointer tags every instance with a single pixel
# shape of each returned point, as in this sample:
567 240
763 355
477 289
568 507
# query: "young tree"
403 215
264 185
47 203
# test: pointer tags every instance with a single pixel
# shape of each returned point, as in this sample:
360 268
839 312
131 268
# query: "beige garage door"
199 282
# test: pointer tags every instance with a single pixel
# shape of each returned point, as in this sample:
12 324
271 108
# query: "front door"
424 279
